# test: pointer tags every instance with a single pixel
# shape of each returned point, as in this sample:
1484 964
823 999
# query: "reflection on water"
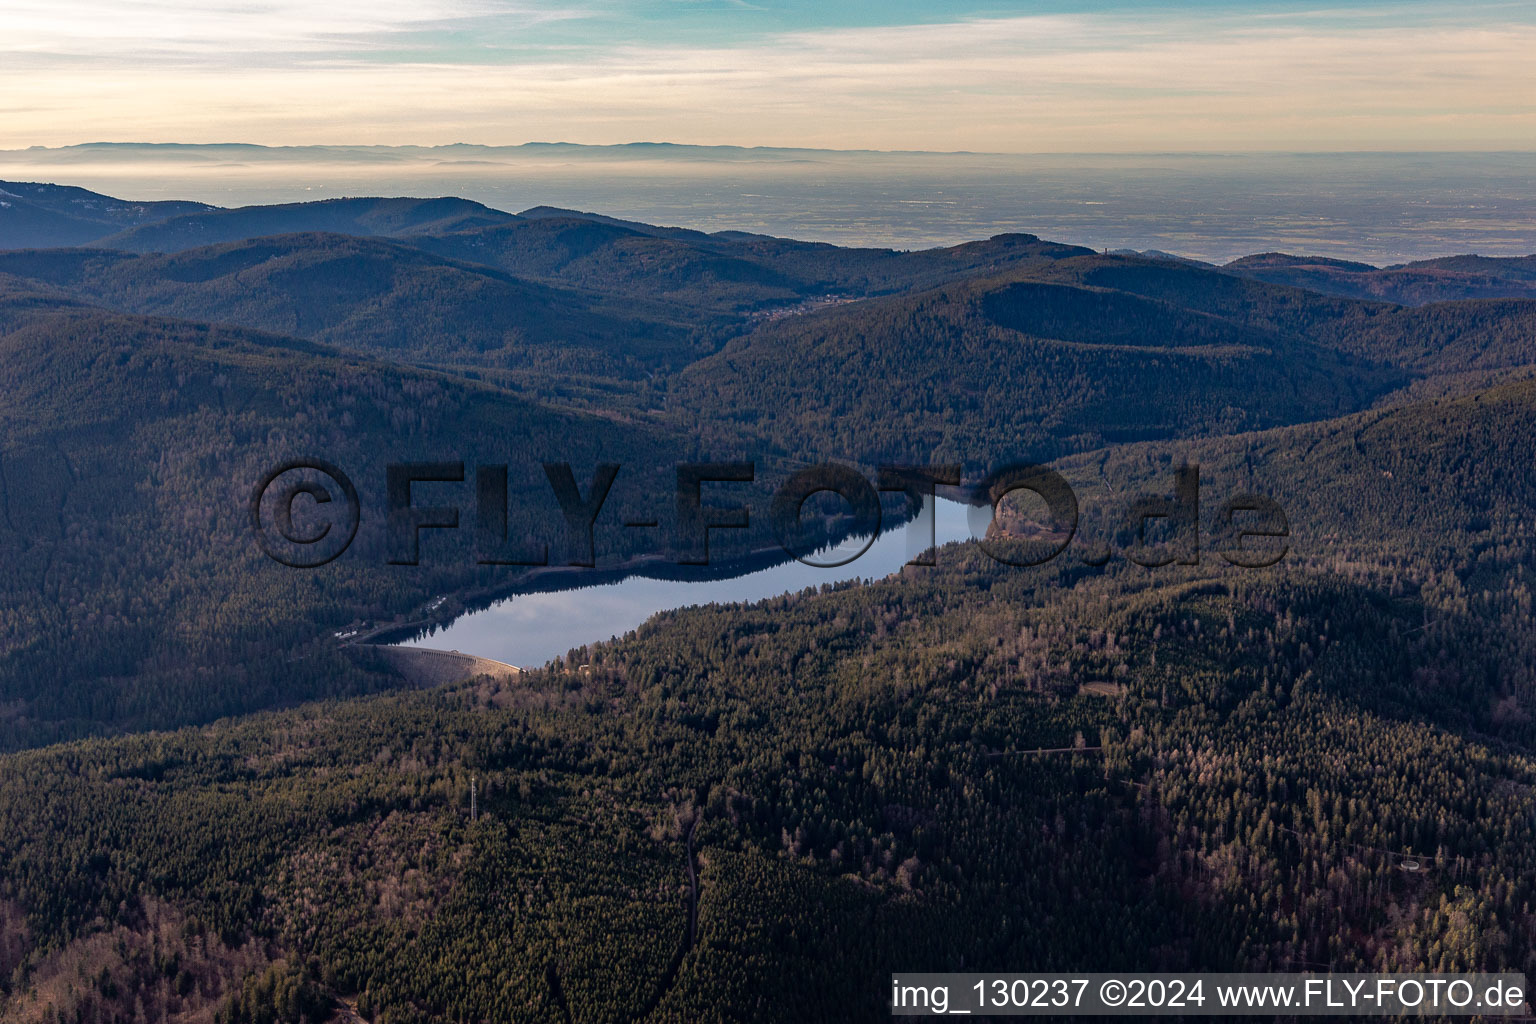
530 629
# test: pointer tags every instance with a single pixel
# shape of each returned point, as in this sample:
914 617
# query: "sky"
1035 77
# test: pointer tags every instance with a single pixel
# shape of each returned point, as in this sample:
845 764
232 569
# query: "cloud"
223 30
1079 83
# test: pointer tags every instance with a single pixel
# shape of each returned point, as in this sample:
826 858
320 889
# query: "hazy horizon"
1380 208
747 148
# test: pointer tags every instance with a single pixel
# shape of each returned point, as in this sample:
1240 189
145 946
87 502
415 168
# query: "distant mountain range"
462 151
1436 280
45 216
742 270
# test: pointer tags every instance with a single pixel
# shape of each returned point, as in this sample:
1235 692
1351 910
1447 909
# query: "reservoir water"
533 628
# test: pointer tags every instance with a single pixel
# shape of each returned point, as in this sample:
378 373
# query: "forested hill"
1426 491
35 216
1324 763
1437 280
1010 348
727 271
368 216
134 594
380 297
1086 351
130 444
38 215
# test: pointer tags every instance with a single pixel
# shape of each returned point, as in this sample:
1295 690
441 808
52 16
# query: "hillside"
35 215
389 218
1021 365
130 439
128 450
1411 284
1323 763
131 435
382 298
728 271
1436 338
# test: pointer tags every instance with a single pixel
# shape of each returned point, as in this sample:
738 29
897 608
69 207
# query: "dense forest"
379 297
211 809
1439 280
134 593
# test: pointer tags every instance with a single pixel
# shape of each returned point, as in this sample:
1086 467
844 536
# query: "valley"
761 785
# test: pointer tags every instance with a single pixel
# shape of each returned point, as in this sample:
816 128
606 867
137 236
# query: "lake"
533 628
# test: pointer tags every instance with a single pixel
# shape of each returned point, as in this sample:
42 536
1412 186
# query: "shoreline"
555 578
